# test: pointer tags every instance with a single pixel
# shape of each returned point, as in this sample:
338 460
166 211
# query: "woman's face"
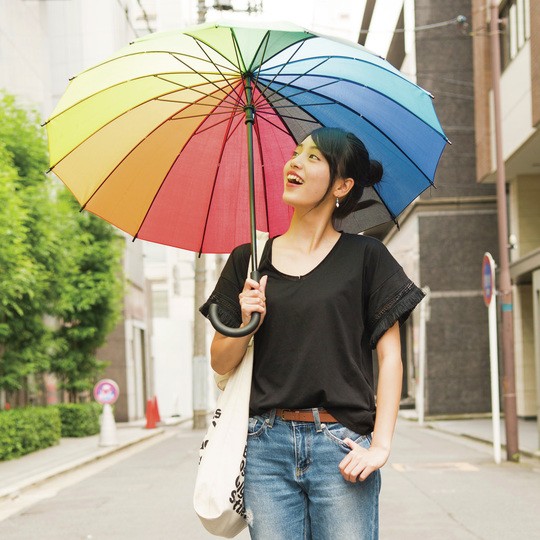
306 176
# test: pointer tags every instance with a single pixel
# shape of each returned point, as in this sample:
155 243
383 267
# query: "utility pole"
199 375
505 292
201 11
200 363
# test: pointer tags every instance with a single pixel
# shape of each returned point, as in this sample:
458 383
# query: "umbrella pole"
249 109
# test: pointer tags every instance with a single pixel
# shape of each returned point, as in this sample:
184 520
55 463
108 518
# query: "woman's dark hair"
347 157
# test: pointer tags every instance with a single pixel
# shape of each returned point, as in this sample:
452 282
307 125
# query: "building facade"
520 118
444 234
42 44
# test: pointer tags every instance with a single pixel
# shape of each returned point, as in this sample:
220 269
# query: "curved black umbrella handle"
234 332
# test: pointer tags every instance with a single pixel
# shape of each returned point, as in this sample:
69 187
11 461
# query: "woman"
326 300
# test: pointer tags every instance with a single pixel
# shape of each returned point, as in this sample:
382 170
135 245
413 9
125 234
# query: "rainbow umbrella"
180 138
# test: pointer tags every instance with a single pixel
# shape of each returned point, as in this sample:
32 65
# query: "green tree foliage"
28 246
89 299
54 263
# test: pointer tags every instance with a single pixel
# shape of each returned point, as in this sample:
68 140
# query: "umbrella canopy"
154 139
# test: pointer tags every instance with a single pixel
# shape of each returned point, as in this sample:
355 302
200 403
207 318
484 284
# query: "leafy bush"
79 419
23 431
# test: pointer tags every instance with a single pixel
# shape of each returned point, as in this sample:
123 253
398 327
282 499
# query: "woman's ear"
342 186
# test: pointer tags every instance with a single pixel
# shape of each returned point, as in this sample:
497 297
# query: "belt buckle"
283 412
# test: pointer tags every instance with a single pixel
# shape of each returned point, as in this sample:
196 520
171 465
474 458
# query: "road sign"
488 278
106 392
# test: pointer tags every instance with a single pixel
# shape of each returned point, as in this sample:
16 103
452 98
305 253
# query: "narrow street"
436 486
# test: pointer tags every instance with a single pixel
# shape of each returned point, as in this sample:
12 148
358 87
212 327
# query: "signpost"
106 393
488 288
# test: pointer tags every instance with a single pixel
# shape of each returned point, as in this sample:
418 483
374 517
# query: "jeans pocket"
256 425
337 433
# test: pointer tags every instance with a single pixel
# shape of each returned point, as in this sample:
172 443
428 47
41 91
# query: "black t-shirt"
314 346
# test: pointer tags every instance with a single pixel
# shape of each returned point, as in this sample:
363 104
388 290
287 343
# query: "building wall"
456 223
525 211
444 66
535 65
524 351
23 52
482 87
452 244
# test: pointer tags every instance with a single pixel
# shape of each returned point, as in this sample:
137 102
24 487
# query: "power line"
460 20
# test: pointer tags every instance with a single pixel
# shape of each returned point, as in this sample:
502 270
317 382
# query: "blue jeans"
293 487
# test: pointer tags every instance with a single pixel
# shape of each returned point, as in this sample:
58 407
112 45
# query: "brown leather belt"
305 415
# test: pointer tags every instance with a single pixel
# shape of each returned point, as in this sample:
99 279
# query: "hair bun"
375 173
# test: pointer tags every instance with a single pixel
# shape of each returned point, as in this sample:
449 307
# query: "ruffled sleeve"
228 287
391 295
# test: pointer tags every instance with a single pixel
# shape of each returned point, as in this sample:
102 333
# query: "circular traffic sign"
488 278
106 392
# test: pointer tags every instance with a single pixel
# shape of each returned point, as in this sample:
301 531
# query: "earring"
337 202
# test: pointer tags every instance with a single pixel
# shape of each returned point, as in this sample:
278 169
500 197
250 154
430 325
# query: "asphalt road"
436 486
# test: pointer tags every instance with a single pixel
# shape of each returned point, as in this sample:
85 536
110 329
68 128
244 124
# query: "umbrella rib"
163 181
363 61
224 78
184 87
293 105
265 40
200 74
237 52
221 152
191 103
108 61
214 49
125 112
158 76
303 91
384 135
263 171
123 159
285 64
337 79
279 127
233 110
290 117
273 92
215 124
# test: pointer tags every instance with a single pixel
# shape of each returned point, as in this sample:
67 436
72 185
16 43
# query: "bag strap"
262 239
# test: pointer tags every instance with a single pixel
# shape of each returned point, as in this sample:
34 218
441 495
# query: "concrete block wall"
452 245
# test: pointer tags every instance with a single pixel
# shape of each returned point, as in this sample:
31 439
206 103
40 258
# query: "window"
517 29
160 301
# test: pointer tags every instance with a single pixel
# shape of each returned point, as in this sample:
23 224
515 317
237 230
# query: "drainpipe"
505 291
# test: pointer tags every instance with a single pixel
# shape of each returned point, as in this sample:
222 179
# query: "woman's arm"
360 463
227 352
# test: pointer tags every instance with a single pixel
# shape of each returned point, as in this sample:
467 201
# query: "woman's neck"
309 232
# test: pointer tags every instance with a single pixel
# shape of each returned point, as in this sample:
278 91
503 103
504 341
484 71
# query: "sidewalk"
20 474
71 453
481 429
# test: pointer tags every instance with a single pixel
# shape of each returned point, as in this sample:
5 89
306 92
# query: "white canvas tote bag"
218 498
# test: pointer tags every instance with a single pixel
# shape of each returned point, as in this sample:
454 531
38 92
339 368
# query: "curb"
478 439
13 491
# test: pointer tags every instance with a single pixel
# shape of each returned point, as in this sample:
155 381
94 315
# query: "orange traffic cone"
156 410
150 414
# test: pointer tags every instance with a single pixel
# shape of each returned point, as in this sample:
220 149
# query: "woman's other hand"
360 462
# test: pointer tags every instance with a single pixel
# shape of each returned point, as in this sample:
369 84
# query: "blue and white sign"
488 275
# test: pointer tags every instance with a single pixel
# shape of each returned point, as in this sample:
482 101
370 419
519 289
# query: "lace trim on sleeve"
398 308
229 312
